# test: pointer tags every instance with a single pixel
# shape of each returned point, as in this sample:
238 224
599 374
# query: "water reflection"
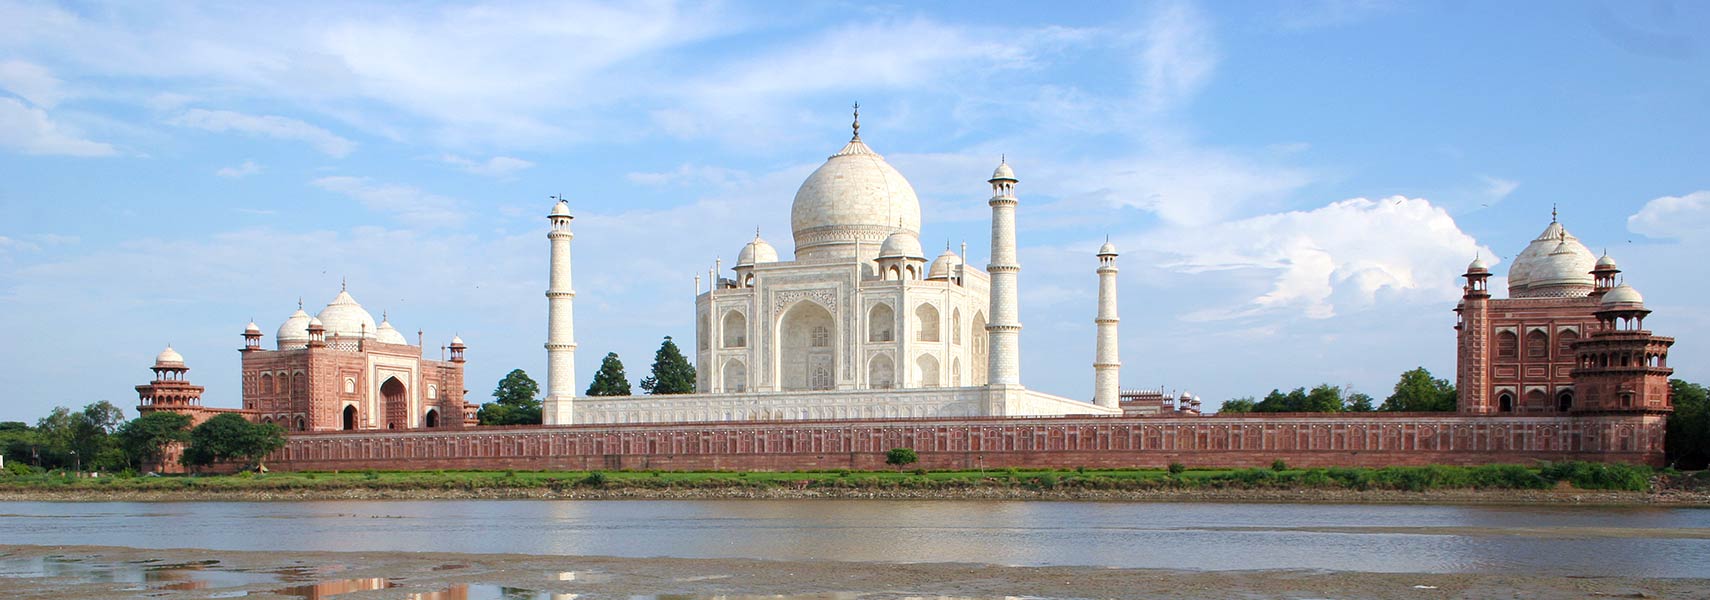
1542 540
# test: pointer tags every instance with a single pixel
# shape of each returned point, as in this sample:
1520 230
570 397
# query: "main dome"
855 198
344 317
1554 265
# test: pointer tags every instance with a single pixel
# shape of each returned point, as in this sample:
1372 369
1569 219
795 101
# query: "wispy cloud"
499 166
1177 56
31 82
29 130
272 126
238 172
1496 188
405 203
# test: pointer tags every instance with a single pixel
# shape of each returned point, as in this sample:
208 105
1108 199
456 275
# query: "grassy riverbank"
1618 483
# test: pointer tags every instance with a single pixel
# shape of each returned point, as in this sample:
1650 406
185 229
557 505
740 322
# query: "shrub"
1279 465
594 479
843 472
1046 480
920 471
1600 476
1176 468
18 469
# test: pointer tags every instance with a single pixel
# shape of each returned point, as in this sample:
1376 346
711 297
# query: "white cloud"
266 125
30 130
238 172
407 204
1496 188
1177 56
1344 254
499 166
1680 217
31 82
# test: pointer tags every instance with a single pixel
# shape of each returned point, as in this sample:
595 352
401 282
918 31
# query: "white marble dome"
1555 264
169 358
756 252
1622 294
1108 249
294 332
1606 262
386 334
944 267
902 244
344 317
855 197
1003 172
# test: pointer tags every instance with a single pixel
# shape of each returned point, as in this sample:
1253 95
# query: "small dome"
562 209
456 341
386 334
756 252
1606 262
944 267
1478 266
1622 294
1108 249
294 332
315 322
344 317
902 244
252 328
169 358
1003 172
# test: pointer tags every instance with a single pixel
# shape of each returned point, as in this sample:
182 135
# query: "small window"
821 337
433 391
350 385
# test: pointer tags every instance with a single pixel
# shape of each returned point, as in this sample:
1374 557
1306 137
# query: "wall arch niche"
808 360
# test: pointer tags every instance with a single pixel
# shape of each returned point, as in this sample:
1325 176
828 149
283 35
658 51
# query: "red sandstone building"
1569 339
338 370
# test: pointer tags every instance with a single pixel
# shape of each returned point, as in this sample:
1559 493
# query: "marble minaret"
1107 368
1004 329
561 327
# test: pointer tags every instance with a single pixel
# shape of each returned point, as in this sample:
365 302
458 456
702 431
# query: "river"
1572 541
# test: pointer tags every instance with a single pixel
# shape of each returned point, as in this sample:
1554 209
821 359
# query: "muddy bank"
88 573
1675 498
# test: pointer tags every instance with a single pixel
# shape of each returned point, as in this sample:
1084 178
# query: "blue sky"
1295 186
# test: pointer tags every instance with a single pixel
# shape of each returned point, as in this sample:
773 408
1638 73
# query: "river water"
1633 542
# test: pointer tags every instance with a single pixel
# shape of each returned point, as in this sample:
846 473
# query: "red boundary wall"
1302 440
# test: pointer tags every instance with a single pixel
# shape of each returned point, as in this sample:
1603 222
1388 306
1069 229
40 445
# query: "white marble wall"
764 406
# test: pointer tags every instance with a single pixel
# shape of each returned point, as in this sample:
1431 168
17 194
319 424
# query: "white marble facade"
859 323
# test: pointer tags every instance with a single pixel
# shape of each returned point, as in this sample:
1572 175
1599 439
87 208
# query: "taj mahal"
857 324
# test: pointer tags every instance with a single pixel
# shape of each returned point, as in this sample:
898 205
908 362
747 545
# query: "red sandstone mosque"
335 371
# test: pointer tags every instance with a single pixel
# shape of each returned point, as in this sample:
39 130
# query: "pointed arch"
881 323
977 349
735 376
735 330
807 335
1507 345
926 326
881 372
926 371
955 372
956 326
394 398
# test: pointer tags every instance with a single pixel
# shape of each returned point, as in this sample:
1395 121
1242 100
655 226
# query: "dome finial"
299 303
857 124
341 285
1552 212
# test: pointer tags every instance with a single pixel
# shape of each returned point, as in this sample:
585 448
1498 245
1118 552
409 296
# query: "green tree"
17 442
55 434
1360 402
1688 438
92 432
1418 391
145 438
228 437
1324 398
1237 405
672 373
516 401
610 380
901 457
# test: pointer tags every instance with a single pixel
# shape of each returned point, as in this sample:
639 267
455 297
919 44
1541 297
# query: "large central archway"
395 404
808 357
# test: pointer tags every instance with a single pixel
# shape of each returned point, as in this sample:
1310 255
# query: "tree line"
1415 391
517 399
98 438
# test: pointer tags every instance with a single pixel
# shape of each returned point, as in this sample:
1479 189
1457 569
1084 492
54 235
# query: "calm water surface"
1564 541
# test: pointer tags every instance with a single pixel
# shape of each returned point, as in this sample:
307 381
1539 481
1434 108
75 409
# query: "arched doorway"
432 418
926 368
735 376
1564 401
881 373
1504 402
350 417
808 360
394 404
